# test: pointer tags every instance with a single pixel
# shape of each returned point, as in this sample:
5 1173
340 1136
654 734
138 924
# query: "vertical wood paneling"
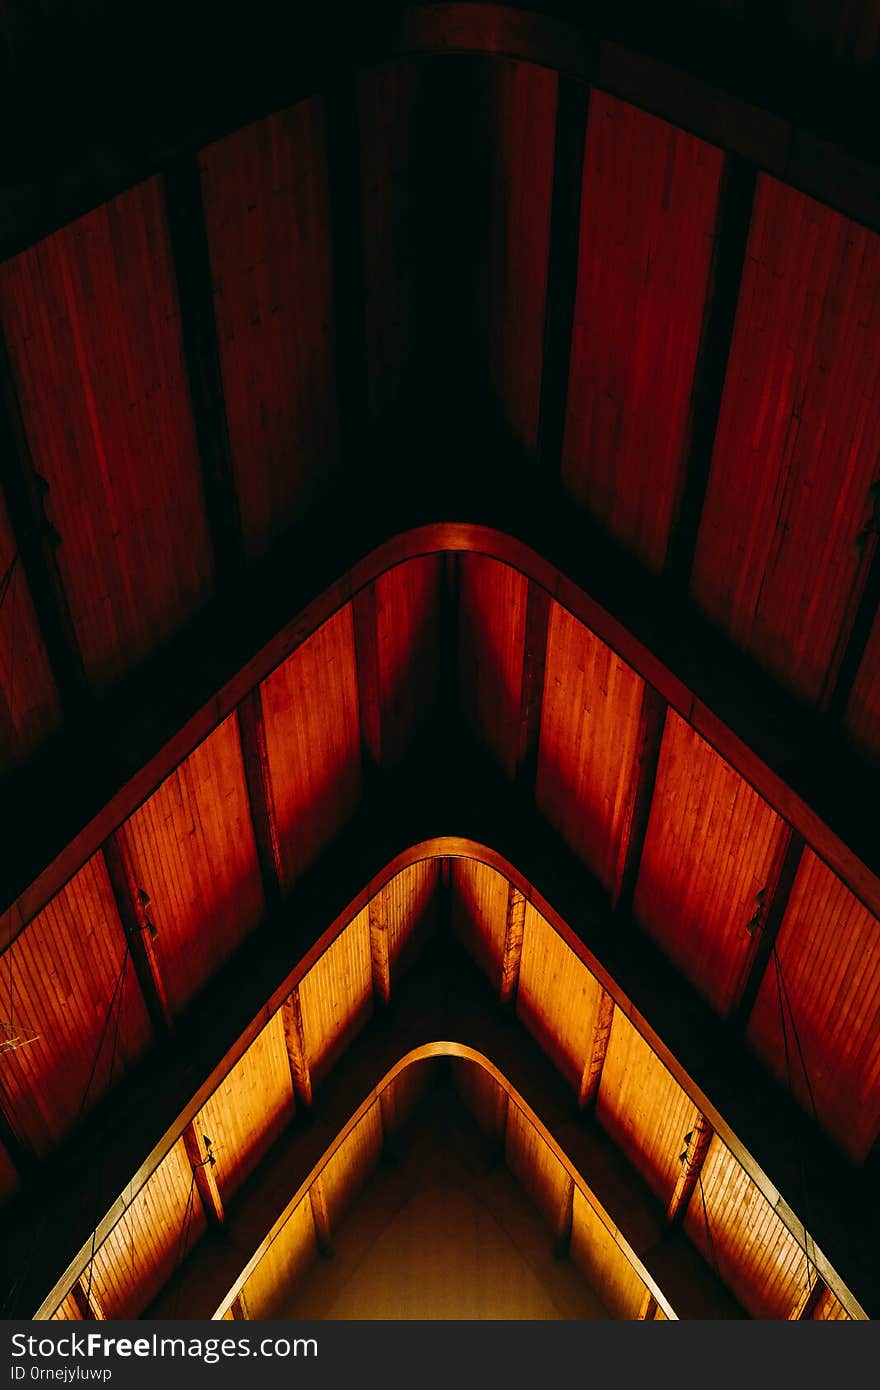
558 998
646 241
482 1096
336 996
351 1165
709 849
531 1160
91 320
829 1309
67 1311
59 986
755 1256
863 709
193 852
797 442
410 910
602 1262
492 625
150 1240
407 603
249 1109
589 743
266 211
29 707
829 951
479 913
310 707
520 173
288 1258
389 105
643 1108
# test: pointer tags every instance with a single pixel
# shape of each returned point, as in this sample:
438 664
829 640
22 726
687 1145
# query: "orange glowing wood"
379 955
595 1062
513 943
294 1037
199 1154
696 1147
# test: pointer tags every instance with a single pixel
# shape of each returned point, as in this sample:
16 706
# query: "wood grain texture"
479 913
797 442
643 1108
558 999
602 1262
492 624
193 853
29 705
829 952
336 996
310 707
829 1309
290 1255
709 850
249 1110
863 707
647 237
345 1174
588 744
266 212
520 177
410 912
150 1240
756 1257
68 985
532 1161
407 615
91 320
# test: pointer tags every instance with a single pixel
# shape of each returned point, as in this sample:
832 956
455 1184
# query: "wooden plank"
255 758
87 1301
188 240
513 944
363 608
696 1147
652 722
201 1159
379 955
133 904
811 1295
562 268
592 1074
767 920
538 606
300 1073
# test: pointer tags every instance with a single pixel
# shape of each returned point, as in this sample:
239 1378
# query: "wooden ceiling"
329 461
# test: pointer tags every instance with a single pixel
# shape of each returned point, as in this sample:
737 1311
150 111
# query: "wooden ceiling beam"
763 1127
696 1145
735 201
255 757
29 504
321 1218
652 721
88 1303
592 1073
511 955
380 961
297 1055
564 1220
537 624
572 104
132 904
201 1160
770 908
195 292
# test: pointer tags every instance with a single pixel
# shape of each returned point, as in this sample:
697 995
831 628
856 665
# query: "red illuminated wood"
294 1037
133 905
769 914
592 1074
695 1148
513 943
632 841
321 1217
201 1161
363 608
538 605
379 954
252 733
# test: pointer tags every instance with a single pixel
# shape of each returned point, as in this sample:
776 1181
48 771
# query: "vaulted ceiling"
441 513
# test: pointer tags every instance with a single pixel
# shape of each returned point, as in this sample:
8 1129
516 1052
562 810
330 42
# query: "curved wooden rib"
507 549
462 1052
